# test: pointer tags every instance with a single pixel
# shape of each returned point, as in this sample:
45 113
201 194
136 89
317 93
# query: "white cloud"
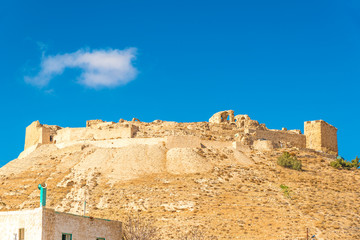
100 68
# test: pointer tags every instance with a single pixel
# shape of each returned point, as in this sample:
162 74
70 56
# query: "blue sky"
281 62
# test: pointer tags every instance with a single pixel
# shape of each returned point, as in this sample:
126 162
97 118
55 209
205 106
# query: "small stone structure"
321 136
47 224
242 120
222 117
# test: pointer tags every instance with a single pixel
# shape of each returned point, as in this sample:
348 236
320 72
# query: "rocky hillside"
230 193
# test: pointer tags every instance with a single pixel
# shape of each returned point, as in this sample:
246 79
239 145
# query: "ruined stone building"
223 129
318 135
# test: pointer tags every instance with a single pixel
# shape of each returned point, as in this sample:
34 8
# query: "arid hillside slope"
231 191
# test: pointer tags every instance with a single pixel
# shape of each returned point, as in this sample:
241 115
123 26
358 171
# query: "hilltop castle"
318 135
222 129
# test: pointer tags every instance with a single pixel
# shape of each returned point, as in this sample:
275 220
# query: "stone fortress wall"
321 136
76 134
222 130
282 138
250 131
36 133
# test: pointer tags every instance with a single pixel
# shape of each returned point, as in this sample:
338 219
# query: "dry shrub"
139 228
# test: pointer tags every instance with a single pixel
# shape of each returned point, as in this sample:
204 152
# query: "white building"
46 224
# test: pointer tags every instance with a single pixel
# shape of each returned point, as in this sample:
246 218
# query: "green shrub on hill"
286 190
289 161
341 163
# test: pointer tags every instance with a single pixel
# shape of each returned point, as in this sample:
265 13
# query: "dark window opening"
66 236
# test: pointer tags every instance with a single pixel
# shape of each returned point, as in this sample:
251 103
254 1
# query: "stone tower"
36 133
321 136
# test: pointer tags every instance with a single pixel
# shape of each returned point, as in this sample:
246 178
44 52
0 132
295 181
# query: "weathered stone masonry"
222 129
321 136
